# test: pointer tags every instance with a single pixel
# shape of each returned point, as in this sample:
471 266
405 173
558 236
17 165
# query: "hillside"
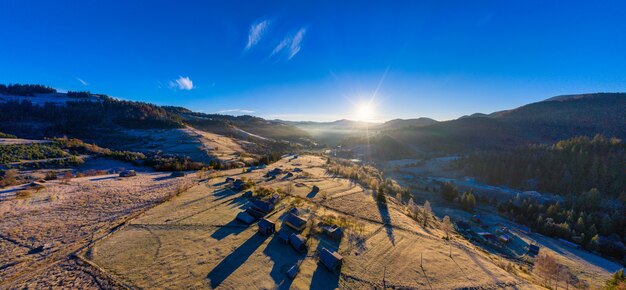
404 123
37 112
542 122
243 127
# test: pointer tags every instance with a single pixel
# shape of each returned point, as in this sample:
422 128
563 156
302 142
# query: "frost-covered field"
193 240
40 231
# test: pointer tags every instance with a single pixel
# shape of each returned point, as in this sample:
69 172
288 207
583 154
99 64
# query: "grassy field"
41 231
194 241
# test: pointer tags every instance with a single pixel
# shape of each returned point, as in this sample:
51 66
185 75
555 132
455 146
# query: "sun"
364 112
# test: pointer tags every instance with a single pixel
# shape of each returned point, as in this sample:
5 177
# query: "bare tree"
446 226
427 212
546 267
563 274
412 208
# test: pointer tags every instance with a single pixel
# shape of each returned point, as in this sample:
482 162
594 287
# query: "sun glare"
364 112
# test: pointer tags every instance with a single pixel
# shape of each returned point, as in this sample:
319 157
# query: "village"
290 225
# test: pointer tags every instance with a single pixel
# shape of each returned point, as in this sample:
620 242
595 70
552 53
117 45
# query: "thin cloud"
290 44
237 111
296 42
82 82
182 83
256 32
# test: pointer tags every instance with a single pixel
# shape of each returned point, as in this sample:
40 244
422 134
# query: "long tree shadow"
283 259
163 178
234 227
383 210
233 261
314 191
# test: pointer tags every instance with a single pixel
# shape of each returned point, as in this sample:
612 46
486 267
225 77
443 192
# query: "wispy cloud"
235 111
256 32
82 81
182 83
291 44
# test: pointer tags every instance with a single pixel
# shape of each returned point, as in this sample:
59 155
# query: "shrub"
24 193
5 135
9 178
449 192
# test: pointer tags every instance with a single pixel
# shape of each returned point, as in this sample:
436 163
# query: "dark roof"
229 179
265 224
255 213
283 236
295 220
245 218
293 271
275 171
262 206
533 249
330 259
128 173
297 241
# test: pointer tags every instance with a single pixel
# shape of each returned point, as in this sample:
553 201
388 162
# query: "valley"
162 197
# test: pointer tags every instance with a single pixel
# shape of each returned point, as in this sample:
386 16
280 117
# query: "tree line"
25 90
571 166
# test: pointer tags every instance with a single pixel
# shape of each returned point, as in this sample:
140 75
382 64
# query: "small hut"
177 174
504 238
283 237
274 199
333 231
263 206
295 222
245 218
229 180
332 260
274 172
533 250
295 211
293 271
255 213
298 242
128 173
266 227
238 184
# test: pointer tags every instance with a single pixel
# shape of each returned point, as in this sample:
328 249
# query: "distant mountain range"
34 111
547 121
335 132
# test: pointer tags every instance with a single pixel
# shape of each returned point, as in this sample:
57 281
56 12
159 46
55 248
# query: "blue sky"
317 60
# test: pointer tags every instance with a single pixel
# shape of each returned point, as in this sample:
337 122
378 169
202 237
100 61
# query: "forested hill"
574 165
542 122
243 127
36 111
587 172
